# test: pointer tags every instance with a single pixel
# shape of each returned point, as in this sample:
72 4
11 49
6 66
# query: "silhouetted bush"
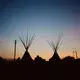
68 58
39 60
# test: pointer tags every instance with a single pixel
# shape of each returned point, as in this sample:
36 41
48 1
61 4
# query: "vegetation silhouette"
39 60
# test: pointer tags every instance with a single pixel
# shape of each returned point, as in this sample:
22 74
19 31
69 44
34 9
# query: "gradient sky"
45 18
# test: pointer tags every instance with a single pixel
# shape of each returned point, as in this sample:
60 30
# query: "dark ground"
56 70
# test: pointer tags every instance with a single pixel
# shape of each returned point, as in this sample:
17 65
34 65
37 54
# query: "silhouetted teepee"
26 57
55 48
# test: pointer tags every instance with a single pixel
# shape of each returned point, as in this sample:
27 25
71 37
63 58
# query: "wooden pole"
15 50
76 55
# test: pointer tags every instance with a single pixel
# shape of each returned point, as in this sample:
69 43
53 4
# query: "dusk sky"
45 18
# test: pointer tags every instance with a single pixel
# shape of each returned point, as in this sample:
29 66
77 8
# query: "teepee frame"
27 43
55 48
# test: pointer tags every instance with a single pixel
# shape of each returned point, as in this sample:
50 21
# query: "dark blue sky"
13 8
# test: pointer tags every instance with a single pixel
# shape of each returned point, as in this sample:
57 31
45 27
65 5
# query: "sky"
45 18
